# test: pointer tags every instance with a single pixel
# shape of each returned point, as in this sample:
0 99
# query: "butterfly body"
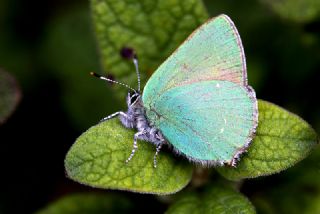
135 117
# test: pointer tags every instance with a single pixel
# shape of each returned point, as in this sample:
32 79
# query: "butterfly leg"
113 115
156 154
135 145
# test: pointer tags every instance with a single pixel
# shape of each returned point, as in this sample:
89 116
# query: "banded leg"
113 115
156 154
135 145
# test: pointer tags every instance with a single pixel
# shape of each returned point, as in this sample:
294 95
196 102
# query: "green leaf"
288 199
303 173
282 139
296 190
98 159
216 200
9 95
153 28
80 91
88 203
313 205
295 10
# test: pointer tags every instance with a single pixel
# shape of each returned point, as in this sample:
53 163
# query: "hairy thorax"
136 118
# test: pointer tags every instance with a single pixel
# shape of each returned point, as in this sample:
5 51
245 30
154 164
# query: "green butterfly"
198 101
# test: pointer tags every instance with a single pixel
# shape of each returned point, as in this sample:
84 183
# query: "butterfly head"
133 98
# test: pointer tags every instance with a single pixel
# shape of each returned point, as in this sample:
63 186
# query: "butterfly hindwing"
208 121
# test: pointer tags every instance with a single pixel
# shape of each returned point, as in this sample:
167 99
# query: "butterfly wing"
210 122
213 51
199 97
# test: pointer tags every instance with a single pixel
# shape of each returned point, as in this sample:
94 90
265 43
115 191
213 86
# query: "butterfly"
198 101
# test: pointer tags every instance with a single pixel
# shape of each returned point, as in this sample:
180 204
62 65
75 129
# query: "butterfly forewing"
212 52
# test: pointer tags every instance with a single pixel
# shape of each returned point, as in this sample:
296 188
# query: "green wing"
211 122
199 97
212 52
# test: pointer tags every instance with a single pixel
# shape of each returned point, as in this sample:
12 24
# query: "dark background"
283 66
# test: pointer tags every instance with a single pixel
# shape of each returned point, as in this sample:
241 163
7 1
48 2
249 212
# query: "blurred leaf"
295 10
88 203
69 46
294 191
216 200
188 204
69 51
304 173
313 205
282 139
153 29
16 50
283 200
98 159
263 206
297 63
9 95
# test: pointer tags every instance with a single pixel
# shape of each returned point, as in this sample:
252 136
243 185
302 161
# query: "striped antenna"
135 62
129 53
110 80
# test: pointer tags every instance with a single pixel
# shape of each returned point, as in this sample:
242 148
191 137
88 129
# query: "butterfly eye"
133 97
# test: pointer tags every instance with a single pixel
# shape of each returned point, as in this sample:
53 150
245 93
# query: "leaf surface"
282 139
154 29
88 203
9 95
98 159
295 10
216 200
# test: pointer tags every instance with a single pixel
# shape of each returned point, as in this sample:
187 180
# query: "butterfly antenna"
110 80
135 62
